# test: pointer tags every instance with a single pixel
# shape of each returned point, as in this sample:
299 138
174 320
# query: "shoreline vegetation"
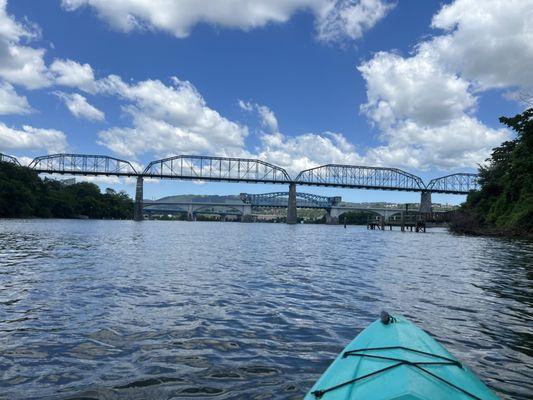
504 204
23 194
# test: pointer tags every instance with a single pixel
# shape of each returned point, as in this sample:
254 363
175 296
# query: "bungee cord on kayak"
389 343
399 361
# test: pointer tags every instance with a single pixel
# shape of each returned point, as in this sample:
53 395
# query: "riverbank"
504 204
464 223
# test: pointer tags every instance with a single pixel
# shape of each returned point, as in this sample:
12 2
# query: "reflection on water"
103 309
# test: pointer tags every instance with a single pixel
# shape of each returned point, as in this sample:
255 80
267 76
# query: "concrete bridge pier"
246 213
292 217
138 206
332 216
425 202
191 216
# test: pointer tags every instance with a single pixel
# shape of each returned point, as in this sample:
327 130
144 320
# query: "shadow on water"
122 310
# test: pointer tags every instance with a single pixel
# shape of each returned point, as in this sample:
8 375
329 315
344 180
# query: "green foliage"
24 194
505 202
355 218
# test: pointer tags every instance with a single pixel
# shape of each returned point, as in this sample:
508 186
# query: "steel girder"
253 171
80 164
9 159
353 176
216 169
460 183
280 199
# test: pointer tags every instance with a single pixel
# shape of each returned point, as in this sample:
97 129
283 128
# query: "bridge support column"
425 202
246 213
138 206
332 216
190 214
292 217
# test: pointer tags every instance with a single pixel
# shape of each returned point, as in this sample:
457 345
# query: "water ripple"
121 310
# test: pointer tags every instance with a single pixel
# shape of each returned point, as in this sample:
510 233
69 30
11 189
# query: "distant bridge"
193 208
281 199
243 209
224 169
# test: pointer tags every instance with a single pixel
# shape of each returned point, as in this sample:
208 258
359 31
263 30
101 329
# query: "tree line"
24 194
504 204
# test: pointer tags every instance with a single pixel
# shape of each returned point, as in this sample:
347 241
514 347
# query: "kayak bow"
394 359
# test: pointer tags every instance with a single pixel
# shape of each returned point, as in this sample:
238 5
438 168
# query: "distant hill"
208 198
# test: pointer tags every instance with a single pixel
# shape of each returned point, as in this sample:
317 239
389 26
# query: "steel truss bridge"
281 199
8 159
224 169
243 208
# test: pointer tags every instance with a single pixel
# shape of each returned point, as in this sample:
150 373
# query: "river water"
168 310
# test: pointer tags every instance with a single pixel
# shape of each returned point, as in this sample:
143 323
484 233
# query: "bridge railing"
79 164
216 169
8 159
362 177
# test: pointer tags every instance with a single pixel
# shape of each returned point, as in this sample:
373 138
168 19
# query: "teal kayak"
394 359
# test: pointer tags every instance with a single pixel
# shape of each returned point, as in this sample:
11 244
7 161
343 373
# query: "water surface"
169 310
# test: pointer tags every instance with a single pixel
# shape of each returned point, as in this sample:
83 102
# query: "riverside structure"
224 169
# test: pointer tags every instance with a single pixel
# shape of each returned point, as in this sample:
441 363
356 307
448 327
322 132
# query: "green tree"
505 202
24 194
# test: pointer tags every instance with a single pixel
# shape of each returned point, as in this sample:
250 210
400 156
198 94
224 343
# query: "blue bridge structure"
225 169
244 206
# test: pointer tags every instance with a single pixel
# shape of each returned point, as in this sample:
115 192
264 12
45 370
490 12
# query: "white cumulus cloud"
349 19
20 64
335 19
169 120
490 44
30 138
268 118
73 74
80 107
296 153
11 102
424 104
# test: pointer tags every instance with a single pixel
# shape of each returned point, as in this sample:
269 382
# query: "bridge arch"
216 169
460 183
82 164
362 177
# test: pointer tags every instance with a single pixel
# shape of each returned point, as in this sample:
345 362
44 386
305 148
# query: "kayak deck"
397 360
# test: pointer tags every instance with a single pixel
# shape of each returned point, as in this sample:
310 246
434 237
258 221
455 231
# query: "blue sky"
416 84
